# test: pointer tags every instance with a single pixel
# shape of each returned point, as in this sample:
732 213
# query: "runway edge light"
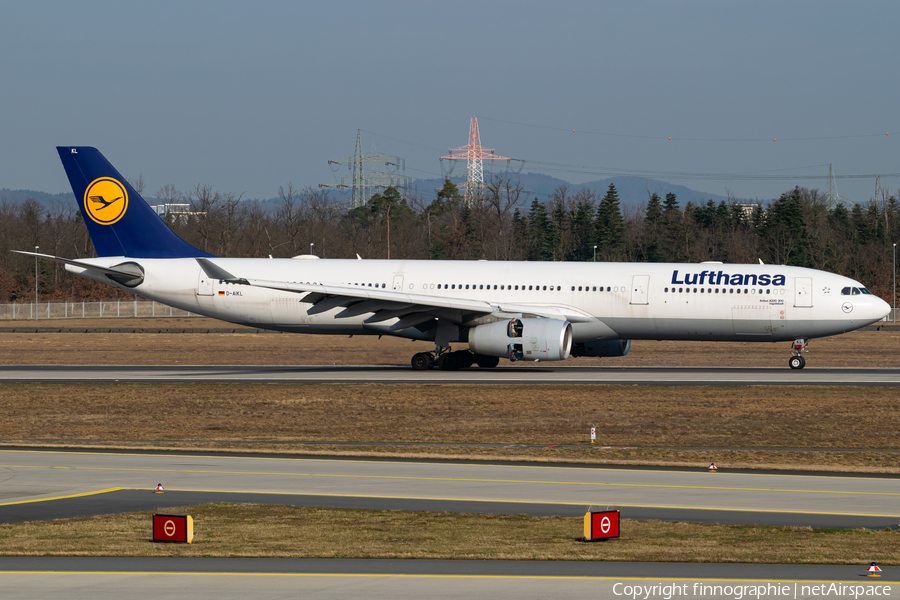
713 468
160 488
873 570
593 435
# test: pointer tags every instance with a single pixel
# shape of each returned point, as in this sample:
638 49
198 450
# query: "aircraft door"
204 285
398 283
640 285
803 292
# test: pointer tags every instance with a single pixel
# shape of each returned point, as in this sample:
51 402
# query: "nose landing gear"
797 349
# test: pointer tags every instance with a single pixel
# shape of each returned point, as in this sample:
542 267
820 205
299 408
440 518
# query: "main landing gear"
797 349
446 360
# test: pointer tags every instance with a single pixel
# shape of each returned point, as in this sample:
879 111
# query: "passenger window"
453 286
680 289
573 288
667 289
517 287
768 292
701 290
731 291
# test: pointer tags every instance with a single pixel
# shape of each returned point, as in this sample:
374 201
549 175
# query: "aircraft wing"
410 309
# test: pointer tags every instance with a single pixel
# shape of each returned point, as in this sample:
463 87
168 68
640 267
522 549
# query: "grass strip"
255 530
760 421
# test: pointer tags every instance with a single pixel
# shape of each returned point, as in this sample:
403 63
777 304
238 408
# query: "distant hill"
632 190
42 197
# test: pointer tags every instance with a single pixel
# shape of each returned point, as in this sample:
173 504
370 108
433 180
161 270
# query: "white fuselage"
705 301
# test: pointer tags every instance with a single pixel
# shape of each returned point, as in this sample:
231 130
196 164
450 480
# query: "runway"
184 578
57 484
70 481
500 375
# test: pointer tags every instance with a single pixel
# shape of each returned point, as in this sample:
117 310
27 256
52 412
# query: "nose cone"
881 309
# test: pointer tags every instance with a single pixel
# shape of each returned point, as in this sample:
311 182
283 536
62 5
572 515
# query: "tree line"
798 228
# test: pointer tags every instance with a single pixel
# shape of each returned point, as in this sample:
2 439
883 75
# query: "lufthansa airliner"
519 311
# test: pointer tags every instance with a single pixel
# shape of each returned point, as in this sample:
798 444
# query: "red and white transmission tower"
474 154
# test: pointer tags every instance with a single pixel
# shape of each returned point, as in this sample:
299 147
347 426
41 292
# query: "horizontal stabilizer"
78 263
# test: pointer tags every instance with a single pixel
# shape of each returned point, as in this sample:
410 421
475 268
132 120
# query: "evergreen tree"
610 226
784 232
672 230
581 228
539 232
653 217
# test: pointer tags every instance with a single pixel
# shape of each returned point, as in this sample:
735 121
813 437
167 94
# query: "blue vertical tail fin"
119 221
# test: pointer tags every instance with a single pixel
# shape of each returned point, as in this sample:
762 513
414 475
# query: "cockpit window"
845 291
856 292
865 291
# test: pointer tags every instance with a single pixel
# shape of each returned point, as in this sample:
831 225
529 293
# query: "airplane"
519 311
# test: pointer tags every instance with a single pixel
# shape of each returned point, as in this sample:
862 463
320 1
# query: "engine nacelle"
602 349
523 339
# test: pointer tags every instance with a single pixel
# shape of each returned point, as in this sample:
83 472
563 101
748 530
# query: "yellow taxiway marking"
94 493
537 502
579 468
440 576
433 498
458 479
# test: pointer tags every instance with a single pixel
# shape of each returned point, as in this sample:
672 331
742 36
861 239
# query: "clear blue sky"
249 96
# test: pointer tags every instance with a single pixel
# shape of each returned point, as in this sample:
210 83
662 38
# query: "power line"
663 137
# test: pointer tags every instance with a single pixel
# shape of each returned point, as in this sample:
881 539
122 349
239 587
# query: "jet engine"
523 339
602 349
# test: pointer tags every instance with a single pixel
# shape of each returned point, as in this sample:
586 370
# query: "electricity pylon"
474 154
364 184
833 197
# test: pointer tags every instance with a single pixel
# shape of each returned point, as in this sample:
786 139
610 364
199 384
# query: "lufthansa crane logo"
105 200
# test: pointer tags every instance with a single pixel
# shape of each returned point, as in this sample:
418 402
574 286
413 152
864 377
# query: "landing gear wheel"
422 361
797 362
466 358
487 362
449 362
